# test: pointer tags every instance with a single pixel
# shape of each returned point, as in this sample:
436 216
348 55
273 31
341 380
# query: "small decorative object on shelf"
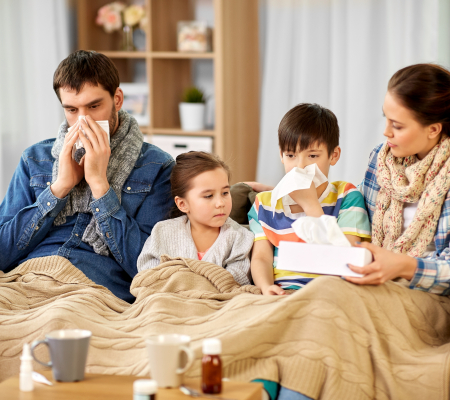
194 36
135 101
117 16
192 110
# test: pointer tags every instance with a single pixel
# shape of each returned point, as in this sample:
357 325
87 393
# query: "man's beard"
112 120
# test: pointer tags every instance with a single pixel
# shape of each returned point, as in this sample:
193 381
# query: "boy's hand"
308 200
272 290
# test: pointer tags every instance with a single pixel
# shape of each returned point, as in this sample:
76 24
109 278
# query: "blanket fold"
329 340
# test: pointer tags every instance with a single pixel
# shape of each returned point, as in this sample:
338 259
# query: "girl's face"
405 135
208 202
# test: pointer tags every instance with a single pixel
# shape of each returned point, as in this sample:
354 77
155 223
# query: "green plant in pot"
192 109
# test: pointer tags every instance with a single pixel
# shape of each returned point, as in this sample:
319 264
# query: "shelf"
157 54
176 54
125 54
144 129
180 132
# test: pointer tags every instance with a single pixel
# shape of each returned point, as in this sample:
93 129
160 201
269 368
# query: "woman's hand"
385 267
259 187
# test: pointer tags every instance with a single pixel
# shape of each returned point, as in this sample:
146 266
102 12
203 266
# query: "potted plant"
192 110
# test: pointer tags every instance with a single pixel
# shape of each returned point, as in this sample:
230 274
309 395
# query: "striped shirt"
432 273
340 199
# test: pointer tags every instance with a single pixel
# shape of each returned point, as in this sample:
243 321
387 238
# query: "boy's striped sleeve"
254 223
353 218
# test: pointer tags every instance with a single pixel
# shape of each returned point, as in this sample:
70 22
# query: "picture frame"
135 101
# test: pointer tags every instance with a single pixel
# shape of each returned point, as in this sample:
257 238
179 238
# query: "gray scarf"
126 144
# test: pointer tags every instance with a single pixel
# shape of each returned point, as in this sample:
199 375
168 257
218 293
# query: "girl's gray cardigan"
173 237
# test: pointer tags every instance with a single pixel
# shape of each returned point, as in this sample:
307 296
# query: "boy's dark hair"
308 124
187 167
83 67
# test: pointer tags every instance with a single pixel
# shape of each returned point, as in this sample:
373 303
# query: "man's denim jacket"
29 209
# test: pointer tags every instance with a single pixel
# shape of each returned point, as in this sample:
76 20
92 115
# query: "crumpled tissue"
78 150
322 230
297 179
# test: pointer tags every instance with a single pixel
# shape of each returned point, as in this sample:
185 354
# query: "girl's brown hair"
425 90
187 167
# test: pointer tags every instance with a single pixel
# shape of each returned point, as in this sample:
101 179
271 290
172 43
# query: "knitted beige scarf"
409 180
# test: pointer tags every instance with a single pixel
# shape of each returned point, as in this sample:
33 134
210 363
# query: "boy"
307 134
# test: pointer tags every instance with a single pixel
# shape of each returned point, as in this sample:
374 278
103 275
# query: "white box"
321 259
175 145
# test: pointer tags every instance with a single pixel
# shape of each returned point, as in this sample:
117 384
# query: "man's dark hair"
308 124
83 67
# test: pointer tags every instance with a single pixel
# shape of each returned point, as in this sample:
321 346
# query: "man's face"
94 101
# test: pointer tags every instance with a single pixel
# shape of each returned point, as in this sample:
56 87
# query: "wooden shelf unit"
235 59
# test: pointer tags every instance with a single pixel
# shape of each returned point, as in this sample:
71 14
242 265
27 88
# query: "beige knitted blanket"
329 340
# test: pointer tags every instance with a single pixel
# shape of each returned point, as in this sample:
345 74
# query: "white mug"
165 356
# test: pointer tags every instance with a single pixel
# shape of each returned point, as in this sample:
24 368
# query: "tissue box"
321 258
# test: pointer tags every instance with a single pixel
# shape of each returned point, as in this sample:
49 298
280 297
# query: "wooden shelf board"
180 132
125 54
145 129
177 54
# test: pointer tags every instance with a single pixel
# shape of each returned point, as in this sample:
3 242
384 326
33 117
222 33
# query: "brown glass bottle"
212 366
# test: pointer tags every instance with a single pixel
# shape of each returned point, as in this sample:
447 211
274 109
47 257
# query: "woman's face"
405 135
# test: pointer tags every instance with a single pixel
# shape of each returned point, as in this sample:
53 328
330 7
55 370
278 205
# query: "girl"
201 229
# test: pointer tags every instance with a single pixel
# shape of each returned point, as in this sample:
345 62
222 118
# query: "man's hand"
386 266
272 290
307 199
96 158
69 172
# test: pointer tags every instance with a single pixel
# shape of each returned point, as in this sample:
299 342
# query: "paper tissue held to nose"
326 251
296 179
78 150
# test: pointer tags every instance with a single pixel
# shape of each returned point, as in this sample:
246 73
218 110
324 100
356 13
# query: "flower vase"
127 38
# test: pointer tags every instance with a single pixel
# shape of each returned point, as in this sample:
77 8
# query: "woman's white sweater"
173 237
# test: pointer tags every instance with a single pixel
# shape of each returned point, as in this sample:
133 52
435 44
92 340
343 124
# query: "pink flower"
109 16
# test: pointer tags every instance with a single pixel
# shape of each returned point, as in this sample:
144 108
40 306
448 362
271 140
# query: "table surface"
110 387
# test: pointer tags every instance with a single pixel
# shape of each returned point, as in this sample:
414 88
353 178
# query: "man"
99 213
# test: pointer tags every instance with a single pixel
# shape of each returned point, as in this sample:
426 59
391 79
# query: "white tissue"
297 179
79 144
322 230
103 124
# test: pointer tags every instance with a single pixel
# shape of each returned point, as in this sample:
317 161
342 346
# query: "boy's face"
316 154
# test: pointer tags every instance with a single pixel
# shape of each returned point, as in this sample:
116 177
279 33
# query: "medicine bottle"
145 389
26 383
212 366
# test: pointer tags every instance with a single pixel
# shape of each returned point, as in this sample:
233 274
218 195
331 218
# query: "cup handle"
190 355
34 345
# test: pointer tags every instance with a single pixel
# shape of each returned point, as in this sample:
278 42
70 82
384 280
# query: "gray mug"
68 353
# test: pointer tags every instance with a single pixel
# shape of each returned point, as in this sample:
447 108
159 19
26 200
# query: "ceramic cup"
68 353
169 358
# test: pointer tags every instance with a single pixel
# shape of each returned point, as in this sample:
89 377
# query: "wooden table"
110 387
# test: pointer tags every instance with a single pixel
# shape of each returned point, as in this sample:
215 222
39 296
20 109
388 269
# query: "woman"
406 186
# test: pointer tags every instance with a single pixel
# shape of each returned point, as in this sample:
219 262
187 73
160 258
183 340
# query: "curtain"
341 54
34 38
